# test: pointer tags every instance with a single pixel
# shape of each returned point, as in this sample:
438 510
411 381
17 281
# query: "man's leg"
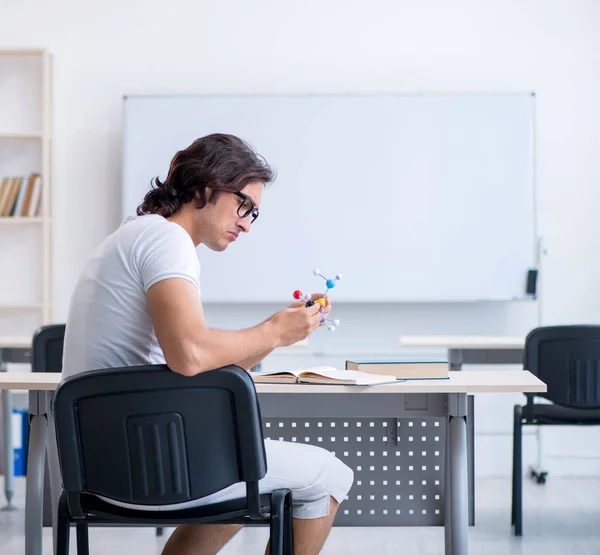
318 480
199 539
310 533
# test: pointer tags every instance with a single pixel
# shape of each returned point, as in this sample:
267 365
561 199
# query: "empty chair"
567 359
47 348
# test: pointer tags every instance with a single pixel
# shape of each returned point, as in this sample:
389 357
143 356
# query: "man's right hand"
295 323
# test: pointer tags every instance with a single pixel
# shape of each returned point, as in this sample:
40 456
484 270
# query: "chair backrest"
47 348
147 435
567 359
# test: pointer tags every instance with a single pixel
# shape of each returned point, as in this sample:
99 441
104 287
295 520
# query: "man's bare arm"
190 347
249 363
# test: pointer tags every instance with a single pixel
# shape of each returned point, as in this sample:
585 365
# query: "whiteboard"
412 197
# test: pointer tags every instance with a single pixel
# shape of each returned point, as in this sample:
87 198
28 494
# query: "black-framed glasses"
247 207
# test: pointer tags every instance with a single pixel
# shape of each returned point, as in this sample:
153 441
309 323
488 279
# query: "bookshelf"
25 191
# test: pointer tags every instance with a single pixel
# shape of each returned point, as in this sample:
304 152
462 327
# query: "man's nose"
244 224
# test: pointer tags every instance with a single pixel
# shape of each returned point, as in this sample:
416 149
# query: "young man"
138 301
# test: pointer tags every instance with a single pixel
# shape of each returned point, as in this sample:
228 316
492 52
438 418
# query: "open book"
321 375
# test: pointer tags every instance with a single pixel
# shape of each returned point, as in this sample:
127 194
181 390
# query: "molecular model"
330 284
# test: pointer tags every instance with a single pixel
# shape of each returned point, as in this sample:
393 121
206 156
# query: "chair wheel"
539 477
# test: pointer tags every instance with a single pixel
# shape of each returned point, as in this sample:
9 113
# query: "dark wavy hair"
219 161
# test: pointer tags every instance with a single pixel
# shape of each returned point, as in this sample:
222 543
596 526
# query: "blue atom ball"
330 283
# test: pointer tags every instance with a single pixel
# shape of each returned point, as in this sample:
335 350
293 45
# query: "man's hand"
296 321
318 300
321 300
253 361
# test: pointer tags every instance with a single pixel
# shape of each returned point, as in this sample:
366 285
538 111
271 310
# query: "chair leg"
63 527
83 542
513 481
277 524
517 477
288 539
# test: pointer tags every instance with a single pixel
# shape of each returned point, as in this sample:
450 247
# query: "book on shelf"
402 369
20 196
324 375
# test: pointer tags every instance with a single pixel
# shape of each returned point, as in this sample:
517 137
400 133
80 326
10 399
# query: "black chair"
146 435
567 360
47 356
47 348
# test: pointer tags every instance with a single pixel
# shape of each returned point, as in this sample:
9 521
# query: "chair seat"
542 413
233 512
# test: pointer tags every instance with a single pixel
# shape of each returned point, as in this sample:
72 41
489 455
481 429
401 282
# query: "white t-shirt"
108 323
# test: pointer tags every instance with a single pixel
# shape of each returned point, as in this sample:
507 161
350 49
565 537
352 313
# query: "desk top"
465 381
16 342
463 341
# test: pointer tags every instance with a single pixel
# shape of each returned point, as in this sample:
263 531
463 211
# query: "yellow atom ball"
322 302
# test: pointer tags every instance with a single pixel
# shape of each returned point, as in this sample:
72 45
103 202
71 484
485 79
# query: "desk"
471 349
12 349
436 398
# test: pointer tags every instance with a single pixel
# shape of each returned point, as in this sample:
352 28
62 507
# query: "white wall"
104 50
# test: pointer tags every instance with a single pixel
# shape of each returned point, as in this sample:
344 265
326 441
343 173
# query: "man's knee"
313 473
344 477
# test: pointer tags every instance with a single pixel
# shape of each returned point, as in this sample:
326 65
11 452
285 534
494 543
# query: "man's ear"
211 195
208 192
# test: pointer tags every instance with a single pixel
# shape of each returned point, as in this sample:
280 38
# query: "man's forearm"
249 363
217 348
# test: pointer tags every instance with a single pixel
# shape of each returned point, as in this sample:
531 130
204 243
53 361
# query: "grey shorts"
312 473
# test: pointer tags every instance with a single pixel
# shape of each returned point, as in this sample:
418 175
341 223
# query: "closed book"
405 369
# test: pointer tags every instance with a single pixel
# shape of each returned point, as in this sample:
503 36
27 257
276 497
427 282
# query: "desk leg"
456 521
471 453
456 359
54 471
447 496
34 495
9 468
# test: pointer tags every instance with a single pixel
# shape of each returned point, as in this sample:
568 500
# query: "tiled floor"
561 518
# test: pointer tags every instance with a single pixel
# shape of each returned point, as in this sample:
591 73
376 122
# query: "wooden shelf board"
11 220
21 135
22 51
20 306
